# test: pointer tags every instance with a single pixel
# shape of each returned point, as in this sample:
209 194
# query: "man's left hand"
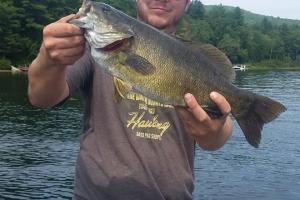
210 134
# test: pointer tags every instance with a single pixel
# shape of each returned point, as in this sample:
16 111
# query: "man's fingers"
195 108
184 114
68 60
67 18
61 30
221 102
189 121
64 43
70 52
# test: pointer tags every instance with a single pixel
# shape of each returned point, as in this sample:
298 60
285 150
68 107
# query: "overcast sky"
284 9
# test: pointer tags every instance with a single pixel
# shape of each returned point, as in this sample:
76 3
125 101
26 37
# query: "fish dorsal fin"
222 61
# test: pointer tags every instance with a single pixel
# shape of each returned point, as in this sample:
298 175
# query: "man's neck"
170 30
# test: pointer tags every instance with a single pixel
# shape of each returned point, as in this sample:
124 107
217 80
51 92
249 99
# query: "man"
136 148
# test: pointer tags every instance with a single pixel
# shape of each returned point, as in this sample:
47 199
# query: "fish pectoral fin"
213 111
121 89
139 64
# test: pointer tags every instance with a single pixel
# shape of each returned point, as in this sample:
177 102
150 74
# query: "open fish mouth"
99 36
117 45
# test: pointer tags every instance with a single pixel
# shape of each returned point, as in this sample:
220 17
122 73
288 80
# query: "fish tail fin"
262 110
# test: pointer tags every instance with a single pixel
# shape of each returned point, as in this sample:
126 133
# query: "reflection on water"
38 147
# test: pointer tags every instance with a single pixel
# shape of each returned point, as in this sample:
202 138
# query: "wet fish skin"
163 68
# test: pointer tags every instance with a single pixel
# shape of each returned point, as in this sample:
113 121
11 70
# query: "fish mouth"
117 45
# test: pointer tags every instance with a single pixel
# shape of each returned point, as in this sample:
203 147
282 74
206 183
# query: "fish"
163 68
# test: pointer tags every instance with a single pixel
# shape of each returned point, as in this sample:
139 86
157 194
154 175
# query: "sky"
284 9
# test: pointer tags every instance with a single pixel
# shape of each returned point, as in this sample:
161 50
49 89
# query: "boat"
19 69
239 67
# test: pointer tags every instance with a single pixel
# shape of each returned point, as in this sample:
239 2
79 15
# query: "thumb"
67 18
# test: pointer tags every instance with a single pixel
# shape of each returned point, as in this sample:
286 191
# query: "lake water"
38 147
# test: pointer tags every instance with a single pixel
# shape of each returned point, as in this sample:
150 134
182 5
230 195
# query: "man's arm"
210 134
63 44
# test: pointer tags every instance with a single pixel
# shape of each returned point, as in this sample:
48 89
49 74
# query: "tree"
201 31
237 18
266 26
196 10
231 47
219 22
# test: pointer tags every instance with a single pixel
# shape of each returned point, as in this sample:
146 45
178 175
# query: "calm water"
38 148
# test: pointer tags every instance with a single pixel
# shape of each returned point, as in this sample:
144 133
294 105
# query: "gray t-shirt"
133 149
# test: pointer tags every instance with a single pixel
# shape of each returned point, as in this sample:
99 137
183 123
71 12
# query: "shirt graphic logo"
144 121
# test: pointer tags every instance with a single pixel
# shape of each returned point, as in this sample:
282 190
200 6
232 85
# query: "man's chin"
158 23
160 27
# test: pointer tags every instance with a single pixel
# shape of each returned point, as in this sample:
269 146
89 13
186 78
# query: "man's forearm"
47 83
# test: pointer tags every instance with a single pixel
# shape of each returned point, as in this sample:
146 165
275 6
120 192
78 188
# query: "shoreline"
274 69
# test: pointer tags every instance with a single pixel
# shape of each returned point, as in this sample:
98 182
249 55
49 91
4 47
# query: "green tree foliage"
243 42
231 47
22 21
21 24
196 10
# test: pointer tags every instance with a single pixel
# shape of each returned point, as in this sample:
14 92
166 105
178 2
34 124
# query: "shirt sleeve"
80 73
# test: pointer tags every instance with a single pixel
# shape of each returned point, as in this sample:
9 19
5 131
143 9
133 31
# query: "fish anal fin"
212 110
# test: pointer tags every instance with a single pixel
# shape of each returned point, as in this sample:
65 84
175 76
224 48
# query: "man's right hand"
63 43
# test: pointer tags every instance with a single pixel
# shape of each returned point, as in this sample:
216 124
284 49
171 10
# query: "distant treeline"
22 21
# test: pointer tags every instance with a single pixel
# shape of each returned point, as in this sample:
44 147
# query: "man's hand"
209 133
63 43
